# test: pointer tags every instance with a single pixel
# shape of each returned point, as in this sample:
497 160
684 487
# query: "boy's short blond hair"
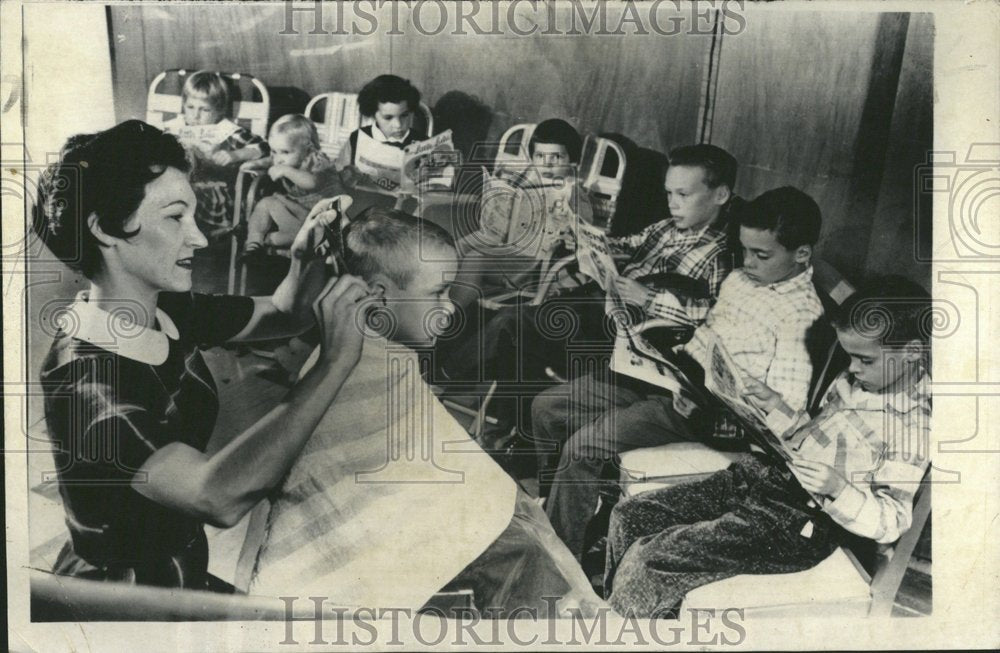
298 125
389 241
210 85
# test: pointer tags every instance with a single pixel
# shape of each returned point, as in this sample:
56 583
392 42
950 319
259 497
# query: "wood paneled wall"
836 103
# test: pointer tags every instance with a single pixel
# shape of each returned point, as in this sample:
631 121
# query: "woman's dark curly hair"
103 174
387 88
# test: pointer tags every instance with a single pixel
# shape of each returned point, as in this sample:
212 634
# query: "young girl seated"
305 175
389 101
216 145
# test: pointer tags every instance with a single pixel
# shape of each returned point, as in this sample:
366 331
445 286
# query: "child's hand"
684 406
766 398
632 291
819 478
223 158
350 176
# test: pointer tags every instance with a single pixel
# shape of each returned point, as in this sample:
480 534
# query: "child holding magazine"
216 145
854 467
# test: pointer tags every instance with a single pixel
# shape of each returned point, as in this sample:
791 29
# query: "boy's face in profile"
423 309
766 261
199 110
875 366
551 159
693 203
394 119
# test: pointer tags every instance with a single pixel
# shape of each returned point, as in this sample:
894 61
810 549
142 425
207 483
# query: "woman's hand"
819 478
766 398
311 232
336 311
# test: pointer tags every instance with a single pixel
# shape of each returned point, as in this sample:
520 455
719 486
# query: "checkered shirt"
702 255
764 329
879 442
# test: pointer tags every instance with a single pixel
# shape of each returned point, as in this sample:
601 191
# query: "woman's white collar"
118 331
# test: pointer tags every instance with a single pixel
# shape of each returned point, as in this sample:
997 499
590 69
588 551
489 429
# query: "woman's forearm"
240 474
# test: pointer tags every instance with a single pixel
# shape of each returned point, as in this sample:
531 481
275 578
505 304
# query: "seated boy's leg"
633 423
651 512
761 533
559 412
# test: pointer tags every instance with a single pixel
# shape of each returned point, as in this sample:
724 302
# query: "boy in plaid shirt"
854 467
763 315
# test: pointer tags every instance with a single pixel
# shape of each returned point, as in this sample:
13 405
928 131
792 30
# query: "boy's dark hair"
387 88
793 216
104 174
556 131
719 165
389 241
891 309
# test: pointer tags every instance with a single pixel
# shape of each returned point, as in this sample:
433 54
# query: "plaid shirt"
702 255
764 329
879 442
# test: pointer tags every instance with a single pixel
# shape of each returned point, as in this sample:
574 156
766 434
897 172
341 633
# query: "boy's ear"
803 254
722 194
95 228
914 350
379 284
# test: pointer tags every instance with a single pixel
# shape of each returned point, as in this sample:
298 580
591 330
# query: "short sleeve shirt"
113 396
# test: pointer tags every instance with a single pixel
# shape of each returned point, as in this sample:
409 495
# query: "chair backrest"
602 169
827 357
513 150
337 114
251 102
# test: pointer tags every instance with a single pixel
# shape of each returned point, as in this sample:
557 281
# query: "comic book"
527 219
430 162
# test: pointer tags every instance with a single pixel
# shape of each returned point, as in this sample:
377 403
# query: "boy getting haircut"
391 500
855 467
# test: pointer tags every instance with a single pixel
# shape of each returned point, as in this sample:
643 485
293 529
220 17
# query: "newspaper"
390 168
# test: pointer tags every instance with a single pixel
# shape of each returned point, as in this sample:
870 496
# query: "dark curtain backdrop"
837 103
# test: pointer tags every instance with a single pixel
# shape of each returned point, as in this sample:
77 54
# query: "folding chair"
251 102
602 169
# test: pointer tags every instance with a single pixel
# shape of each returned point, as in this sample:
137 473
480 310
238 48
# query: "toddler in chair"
305 175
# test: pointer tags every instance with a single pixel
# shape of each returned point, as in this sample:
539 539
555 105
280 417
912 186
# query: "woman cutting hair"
129 401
